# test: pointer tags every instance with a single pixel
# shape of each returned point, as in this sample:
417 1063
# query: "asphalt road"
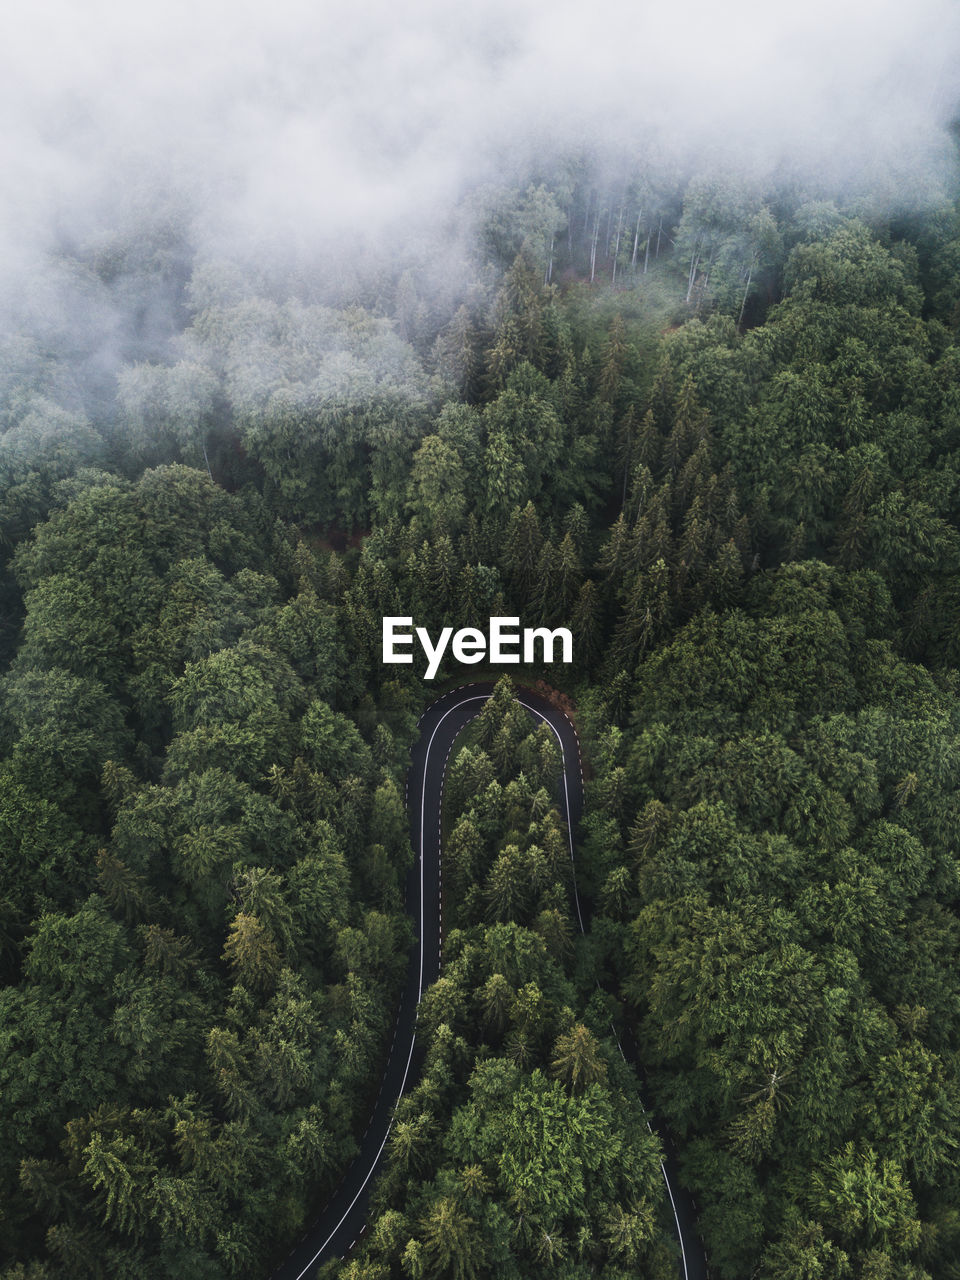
344 1219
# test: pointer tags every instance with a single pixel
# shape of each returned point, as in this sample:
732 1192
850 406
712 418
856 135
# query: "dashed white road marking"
566 797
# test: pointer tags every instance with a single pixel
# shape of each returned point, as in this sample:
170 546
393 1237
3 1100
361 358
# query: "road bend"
343 1221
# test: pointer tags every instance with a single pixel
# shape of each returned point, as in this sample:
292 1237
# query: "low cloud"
283 128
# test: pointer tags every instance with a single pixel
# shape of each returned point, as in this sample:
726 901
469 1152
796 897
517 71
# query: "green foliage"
203 998
792 781
711 428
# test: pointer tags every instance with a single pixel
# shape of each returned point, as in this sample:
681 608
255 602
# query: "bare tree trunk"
548 274
646 256
593 247
702 293
636 240
616 248
743 304
203 446
659 230
694 263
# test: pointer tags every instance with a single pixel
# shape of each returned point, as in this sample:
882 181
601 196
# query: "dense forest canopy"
705 414
714 433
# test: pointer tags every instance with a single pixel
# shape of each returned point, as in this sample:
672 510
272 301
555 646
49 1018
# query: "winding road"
344 1218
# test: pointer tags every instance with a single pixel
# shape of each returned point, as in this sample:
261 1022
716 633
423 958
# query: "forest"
711 427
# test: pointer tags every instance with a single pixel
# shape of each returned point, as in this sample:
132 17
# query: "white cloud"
287 119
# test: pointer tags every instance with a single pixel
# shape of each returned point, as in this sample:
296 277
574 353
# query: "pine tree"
727 576
442 577
648 448
251 952
507 890
116 1168
577 524
523 544
585 622
452 1243
126 892
472 546
627 1233
614 357
576 1059
496 999
569 578
615 558
548 583
648 831
644 616
456 355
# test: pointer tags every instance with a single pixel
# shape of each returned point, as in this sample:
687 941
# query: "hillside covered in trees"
715 430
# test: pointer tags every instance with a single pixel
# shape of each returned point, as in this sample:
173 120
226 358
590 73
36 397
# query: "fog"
289 132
